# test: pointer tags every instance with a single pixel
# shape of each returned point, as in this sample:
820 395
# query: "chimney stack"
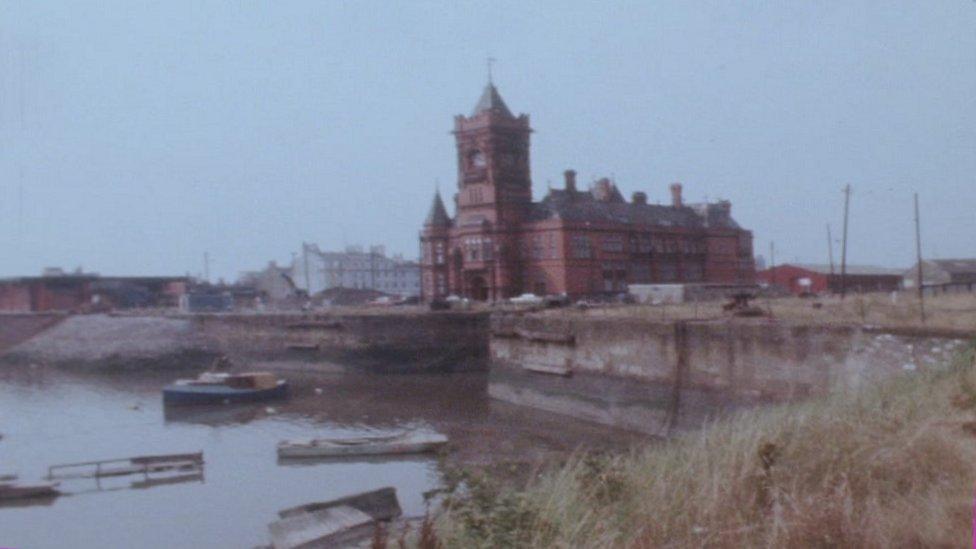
570 176
676 195
639 198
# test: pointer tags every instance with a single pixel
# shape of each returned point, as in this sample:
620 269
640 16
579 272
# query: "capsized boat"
411 442
224 388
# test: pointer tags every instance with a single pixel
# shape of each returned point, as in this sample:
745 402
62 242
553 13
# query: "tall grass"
954 311
889 466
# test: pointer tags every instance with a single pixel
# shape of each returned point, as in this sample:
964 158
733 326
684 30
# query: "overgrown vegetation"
889 466
948 312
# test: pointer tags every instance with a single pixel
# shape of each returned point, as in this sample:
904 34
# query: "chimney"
676 195
570 176
639 198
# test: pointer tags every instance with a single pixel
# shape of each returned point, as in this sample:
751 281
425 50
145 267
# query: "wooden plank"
332 527
195 457
380 504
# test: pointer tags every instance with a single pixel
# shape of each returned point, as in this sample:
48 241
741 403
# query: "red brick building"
579 242
806 279
84 292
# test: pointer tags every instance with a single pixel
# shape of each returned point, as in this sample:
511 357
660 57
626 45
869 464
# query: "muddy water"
49 417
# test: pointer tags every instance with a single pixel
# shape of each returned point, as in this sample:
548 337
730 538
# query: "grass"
952 312
888 466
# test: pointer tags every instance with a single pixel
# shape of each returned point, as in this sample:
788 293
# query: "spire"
491 101
437 216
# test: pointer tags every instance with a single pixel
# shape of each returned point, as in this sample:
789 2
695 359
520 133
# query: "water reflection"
50 417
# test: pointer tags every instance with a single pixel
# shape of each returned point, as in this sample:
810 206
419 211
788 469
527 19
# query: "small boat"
344 522
402 443
224 388
13 490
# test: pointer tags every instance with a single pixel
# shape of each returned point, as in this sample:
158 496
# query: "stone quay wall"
375 342
660 377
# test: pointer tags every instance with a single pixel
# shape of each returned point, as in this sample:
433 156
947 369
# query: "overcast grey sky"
134 136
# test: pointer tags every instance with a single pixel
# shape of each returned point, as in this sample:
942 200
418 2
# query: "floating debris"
336 523
134 465
14 490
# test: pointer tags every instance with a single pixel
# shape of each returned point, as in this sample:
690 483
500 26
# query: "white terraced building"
355 268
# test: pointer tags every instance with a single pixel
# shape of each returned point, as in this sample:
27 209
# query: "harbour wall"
16 328
384 343
381 343
662 377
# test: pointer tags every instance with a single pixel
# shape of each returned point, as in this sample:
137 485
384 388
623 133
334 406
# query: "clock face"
476 159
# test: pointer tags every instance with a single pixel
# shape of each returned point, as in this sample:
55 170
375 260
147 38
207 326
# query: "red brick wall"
15 297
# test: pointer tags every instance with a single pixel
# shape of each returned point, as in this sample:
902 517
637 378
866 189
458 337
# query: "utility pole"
772 263
843 249
308 281
918 256
830 250
206 266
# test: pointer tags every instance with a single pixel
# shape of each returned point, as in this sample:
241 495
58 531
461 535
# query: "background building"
580 242
803 278
316 270
57 290
944 275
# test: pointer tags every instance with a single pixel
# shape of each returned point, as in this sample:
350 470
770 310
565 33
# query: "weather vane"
490 61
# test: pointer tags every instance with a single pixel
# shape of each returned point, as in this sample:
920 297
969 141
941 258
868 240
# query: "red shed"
802 278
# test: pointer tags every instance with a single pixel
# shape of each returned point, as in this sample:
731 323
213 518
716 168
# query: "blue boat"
211 388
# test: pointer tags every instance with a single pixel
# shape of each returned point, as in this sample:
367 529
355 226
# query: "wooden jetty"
127 466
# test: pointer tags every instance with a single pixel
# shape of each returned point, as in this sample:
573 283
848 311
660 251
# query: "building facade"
80 292
944 275
810 279
500 243
316 270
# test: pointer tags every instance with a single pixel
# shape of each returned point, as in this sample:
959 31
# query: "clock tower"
494 184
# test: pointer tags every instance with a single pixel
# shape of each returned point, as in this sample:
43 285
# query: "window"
640 272
486 250
537 247
581 247
551 246
439 253
613 243
667 272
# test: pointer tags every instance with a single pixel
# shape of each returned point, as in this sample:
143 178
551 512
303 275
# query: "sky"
137 136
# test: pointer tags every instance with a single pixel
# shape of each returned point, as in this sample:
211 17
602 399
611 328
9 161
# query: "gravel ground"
103 338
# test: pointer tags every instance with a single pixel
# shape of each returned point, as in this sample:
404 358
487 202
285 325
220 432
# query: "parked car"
526 299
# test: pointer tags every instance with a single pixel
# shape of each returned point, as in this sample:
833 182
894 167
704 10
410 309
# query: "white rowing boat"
402 443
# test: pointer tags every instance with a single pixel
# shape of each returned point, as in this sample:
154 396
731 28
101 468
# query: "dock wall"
661 377
383 343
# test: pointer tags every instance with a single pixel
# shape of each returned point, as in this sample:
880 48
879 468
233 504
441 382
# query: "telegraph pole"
308 281
206 266
830 250
772 263
918 256
843 250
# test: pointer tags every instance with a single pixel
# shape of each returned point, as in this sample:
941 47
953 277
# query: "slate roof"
849 269
955 266
491 101
437 216
582 206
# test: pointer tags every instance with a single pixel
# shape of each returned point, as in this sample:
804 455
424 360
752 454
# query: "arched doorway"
479 288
